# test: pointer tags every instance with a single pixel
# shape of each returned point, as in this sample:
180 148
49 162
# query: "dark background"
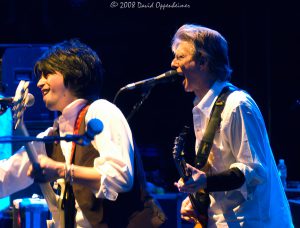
134 44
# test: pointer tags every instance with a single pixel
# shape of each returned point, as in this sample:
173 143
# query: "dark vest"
101 211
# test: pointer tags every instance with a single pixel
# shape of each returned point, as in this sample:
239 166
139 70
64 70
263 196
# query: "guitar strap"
68 202
78 122
203 200
212 126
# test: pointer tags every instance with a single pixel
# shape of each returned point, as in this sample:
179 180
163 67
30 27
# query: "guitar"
200 200
23 99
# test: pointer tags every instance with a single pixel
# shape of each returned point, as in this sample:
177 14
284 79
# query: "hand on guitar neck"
196 182
46 170
192 181
194 207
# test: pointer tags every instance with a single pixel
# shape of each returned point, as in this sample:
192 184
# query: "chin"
187 88
49 106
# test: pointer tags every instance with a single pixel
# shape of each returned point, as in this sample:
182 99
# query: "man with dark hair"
240 174
104 180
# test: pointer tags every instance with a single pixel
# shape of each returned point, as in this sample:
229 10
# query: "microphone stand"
117 94
46 139
137 106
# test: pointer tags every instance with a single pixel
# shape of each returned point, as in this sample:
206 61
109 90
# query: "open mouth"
184 82
45 92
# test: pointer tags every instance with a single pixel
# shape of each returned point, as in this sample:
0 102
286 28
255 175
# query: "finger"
180 181
181 189
192 169
189 213
25 94
189 182
189 167
188 219
40 157
26 85
43 161
176 184
37 170
186 202
29 171
38 173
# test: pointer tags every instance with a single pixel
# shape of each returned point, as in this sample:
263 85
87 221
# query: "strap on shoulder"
213 124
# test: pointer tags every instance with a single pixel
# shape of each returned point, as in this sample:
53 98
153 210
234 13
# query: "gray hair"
208 44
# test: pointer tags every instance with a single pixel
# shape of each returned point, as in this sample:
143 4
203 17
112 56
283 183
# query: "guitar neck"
199 200
30 149
20 101
51 198
181 168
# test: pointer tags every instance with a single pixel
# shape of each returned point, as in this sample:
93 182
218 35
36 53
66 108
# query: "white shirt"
114 143
242 142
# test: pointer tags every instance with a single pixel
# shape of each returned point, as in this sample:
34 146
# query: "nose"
41 82
174 63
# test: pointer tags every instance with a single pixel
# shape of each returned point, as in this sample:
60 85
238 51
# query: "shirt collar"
206 103
70 112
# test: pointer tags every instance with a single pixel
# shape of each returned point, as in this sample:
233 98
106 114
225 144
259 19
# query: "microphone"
94 127
170 75
8 101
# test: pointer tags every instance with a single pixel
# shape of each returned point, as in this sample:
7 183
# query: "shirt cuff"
105 192
254 173
115 178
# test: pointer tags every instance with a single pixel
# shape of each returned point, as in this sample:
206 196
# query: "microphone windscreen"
30 100
171 73
94 127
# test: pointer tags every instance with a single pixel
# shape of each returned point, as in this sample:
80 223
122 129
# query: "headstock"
22 99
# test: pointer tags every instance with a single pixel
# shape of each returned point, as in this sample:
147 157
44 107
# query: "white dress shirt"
114 144
242 142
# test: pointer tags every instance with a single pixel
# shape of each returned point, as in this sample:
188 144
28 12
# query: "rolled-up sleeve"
13 173
245 129
14 169
115 147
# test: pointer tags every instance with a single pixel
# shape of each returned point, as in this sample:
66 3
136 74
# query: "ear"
202 63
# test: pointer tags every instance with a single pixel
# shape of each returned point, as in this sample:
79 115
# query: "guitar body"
198 225
200 200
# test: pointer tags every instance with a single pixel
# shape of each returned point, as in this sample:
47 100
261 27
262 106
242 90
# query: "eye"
179 57
41 76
